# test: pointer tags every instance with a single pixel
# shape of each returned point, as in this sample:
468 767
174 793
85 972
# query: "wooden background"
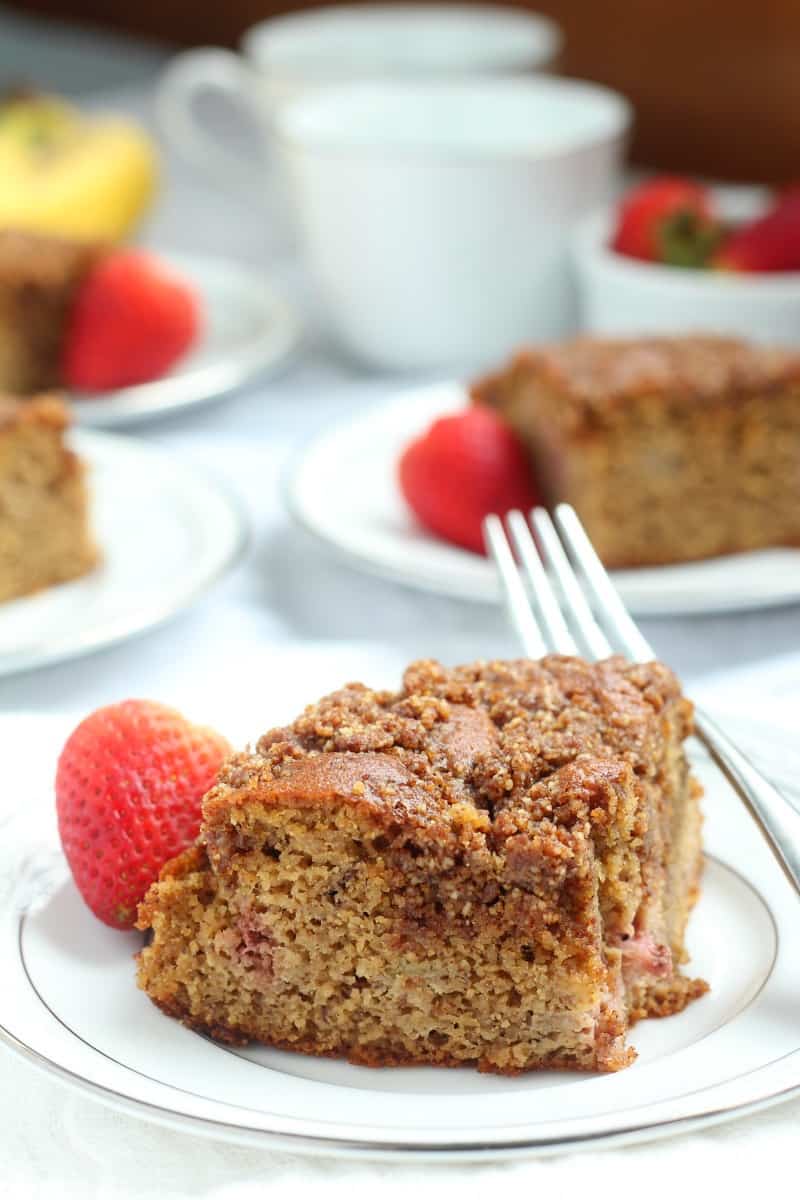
715 83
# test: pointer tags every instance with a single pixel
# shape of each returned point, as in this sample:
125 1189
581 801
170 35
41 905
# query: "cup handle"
207 72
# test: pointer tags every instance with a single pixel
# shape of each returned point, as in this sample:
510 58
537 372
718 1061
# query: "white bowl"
620 296
436 215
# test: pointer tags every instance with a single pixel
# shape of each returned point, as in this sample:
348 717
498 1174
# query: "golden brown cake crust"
412 757
596 374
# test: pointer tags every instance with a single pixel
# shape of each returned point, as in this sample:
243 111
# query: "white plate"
165 533
344 490
248 330
69 1004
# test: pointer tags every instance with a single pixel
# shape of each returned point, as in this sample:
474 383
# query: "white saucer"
165 534
734 1051
344 490
248 331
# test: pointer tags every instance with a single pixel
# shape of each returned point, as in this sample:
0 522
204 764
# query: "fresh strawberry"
461 469
128 789
770 243
131 320
667 220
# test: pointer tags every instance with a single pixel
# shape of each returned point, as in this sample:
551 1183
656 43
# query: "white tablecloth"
288 602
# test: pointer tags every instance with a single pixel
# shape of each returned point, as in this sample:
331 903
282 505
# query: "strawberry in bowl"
770 242
667 220
674 257
677 222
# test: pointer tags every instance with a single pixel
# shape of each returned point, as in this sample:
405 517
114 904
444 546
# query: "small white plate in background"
165 534
248 330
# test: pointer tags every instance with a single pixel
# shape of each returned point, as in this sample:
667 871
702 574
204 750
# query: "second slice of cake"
39 279
494 865
670 449
45 527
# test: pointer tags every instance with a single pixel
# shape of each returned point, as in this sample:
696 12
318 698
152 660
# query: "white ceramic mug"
287 56
436 216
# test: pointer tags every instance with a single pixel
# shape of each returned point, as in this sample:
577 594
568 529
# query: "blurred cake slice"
670 449
45 535
39 278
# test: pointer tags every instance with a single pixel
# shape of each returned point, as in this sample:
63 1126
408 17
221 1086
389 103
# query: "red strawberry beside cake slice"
128 789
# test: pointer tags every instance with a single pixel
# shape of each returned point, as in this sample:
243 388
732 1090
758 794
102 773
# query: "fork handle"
778 821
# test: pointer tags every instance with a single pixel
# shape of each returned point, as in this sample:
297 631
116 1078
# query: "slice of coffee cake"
494 865
44 508
670 449
39 278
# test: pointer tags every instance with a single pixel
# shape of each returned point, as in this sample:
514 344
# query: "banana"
72 175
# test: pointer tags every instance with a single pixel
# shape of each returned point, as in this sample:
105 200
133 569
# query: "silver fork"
561 619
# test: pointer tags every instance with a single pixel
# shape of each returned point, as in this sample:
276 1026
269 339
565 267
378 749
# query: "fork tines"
557 592
559 596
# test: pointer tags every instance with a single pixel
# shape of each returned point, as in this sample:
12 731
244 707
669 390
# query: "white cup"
288 56
436 216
